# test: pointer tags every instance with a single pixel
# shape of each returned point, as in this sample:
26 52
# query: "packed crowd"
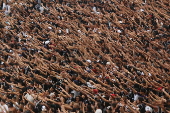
84 56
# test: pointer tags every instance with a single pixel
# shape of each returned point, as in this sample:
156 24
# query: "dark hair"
75 109
89 108
28 111
114 105
10 104
3 100
99 105
141 99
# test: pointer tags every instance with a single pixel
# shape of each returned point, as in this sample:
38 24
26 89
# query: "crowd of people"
84 56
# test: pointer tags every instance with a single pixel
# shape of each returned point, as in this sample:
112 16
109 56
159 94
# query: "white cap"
119 31
108 63
43 107
47 42
90 85
141 10
89 61
51 94
148 108
150 74
49 27
113 79
98 111
142 73
59 31
67 30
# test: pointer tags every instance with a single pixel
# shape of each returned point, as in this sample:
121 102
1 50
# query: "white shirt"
15 106
41 9
98 111
4 108
136 96
76 93
29 97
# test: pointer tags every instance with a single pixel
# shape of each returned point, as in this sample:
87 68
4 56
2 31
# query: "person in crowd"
84 56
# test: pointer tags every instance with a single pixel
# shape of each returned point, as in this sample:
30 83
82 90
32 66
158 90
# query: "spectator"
103 56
